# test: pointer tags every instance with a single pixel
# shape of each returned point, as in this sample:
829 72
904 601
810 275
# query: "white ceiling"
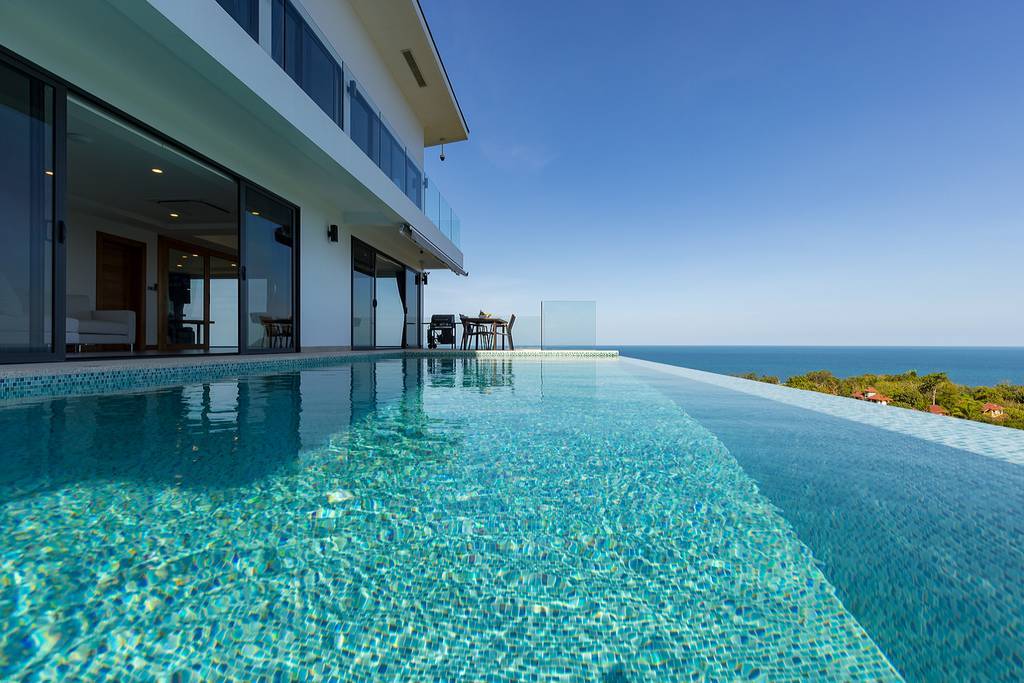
110 176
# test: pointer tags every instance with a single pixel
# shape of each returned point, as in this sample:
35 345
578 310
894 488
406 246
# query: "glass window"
269 234
223 332
246 13
186 299
26 213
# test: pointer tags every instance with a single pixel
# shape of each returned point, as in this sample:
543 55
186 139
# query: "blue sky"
742 172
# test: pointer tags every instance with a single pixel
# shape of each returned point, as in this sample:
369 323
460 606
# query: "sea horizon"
969 365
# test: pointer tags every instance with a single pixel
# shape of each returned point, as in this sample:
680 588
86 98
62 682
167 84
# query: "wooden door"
121 279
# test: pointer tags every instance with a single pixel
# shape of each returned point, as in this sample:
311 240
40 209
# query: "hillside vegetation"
910 390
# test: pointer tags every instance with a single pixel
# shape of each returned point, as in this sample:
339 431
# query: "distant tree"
817 380
930 385
768 379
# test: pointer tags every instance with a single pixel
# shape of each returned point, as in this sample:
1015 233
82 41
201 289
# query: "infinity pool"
438 519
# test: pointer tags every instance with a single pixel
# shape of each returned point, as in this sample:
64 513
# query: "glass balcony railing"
440 213
297 47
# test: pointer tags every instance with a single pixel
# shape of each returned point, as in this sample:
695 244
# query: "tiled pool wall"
100 377
992 441
920 540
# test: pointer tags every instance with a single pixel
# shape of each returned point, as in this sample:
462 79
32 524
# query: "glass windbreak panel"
456 236
412 308
269 235
246 13
186 299
431 201
568 324
364 125
223 332
413 183
445 216
26 213
390 310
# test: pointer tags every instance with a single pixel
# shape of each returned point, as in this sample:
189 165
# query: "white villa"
219 176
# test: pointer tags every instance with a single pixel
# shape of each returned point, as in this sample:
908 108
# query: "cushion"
101 327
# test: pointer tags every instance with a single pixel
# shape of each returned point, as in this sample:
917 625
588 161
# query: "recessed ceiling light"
158 171
234 265
178 265
174 215
48 172
196 255
255 213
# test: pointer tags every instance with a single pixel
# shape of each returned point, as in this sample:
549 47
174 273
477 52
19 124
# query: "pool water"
466 519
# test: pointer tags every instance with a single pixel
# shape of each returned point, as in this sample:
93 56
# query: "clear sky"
741 172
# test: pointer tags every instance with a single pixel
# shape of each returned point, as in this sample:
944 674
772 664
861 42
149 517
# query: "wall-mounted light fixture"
424 277
332 233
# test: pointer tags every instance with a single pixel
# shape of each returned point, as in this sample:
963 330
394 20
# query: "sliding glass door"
412 309
207 299
390 312
268 273
362 296
385 301
30 230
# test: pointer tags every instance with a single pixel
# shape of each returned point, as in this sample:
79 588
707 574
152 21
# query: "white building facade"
218 176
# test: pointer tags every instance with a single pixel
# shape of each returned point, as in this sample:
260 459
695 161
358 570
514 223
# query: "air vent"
414 68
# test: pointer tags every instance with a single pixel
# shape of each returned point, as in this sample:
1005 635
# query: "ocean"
971 365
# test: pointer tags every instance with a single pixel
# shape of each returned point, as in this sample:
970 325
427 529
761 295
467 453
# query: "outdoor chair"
475 331
504 332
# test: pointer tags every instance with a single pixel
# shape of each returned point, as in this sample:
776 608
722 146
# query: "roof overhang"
399 25
426 243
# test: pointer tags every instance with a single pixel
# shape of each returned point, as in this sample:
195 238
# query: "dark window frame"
419 297
63 88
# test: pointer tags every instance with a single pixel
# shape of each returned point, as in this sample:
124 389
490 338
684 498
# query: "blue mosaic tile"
436 518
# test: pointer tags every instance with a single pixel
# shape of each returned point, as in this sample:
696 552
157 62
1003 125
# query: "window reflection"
269 243
26 213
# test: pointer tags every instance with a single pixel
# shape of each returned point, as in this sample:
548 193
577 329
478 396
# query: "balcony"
440 213
310 60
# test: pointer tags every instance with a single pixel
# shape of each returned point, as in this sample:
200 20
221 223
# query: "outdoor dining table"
494 324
